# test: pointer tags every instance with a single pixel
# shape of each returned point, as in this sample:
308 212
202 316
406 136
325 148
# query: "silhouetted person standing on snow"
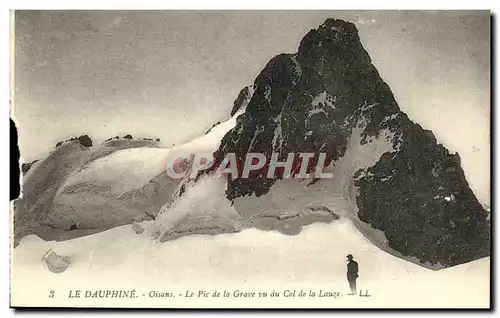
352 273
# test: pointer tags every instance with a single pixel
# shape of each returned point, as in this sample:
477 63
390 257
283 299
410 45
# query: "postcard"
251 159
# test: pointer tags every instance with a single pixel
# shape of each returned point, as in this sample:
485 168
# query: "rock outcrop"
56 263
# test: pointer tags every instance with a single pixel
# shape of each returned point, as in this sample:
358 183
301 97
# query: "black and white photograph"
252 159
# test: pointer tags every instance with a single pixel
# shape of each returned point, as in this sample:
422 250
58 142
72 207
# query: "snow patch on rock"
316 111
278 134
324 98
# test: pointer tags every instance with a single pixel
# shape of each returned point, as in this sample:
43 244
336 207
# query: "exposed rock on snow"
327 98
250 259
144 217
324 209
25 167
56 263
83 140
137 228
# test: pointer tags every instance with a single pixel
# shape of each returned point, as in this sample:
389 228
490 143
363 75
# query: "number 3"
51 294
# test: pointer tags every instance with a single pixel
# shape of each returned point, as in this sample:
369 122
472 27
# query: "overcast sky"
173 74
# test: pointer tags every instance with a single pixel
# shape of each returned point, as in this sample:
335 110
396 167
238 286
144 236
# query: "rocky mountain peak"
329 98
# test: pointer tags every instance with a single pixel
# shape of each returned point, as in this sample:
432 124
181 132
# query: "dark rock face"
57 263
85 141
314 101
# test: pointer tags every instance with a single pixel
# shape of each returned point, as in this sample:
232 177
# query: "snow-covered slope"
78 190
104 192
81 190
251 260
